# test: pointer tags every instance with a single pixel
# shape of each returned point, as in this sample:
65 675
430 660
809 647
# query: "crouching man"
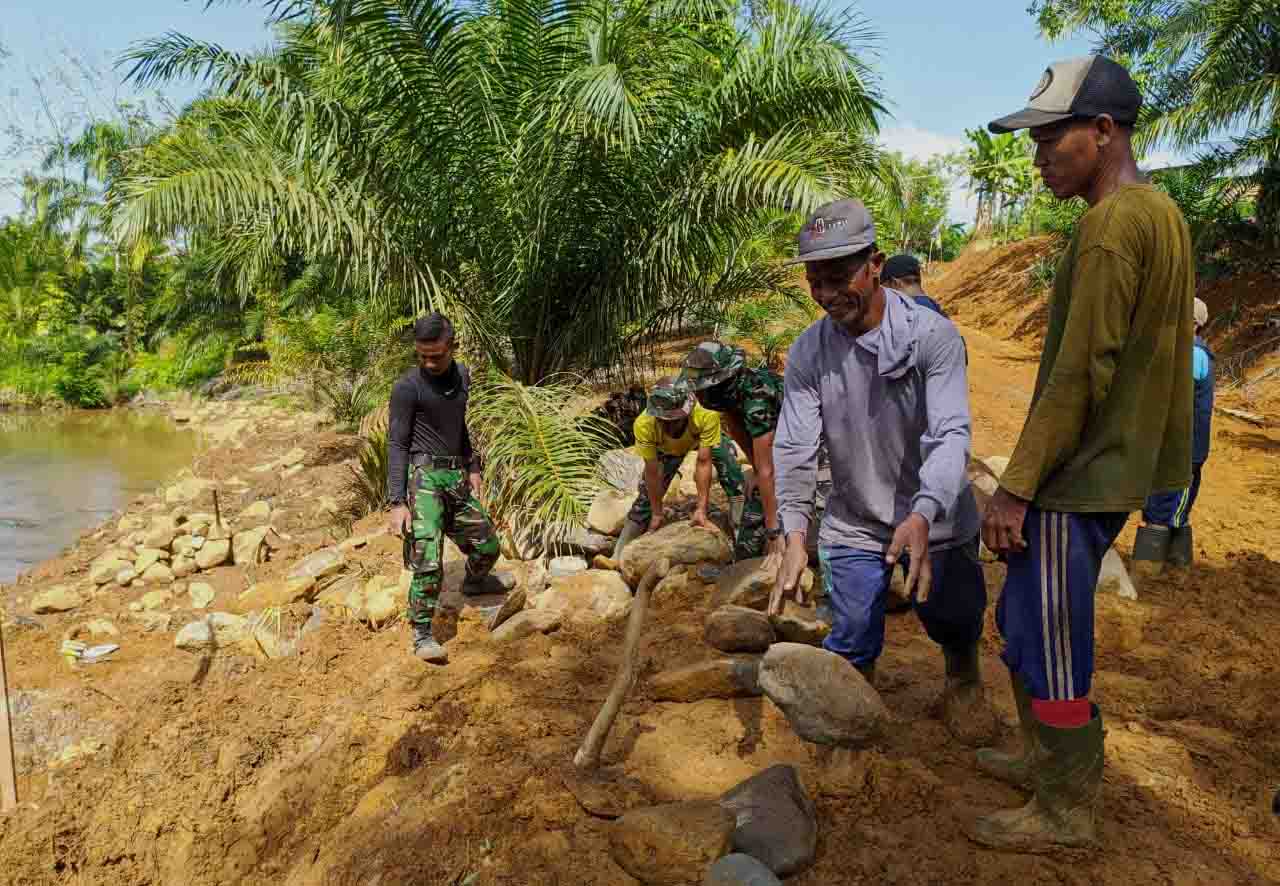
433 480
883 379
672 426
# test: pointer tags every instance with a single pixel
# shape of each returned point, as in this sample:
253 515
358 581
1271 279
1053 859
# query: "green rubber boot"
1064 809
1016 769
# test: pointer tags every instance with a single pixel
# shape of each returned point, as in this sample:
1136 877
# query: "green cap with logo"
711 363
670 400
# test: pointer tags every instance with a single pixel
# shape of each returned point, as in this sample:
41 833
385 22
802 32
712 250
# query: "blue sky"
946 65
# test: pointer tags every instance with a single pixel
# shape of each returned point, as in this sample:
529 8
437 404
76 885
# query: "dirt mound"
1002 290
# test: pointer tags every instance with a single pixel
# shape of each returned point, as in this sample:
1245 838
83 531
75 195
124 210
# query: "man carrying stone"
749 402
883 380
672 426
433 479
1110 422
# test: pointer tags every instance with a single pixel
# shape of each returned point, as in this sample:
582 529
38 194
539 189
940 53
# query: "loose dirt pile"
350 762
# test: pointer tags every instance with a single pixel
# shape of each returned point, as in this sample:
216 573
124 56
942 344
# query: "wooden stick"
1243 416
8 774
588 756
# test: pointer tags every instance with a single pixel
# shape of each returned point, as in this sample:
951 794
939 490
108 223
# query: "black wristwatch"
772 534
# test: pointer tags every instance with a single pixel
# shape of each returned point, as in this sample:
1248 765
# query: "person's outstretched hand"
1002 524
792 567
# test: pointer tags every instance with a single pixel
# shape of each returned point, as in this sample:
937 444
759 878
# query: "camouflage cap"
670 399
711 363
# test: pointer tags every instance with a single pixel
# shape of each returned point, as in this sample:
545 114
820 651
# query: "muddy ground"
352 763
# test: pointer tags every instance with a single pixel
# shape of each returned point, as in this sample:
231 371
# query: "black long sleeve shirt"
428 417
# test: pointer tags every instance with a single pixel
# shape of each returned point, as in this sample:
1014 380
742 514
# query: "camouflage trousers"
728 472
751 538
441 504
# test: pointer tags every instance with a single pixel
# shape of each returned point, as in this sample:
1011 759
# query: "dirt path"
352 764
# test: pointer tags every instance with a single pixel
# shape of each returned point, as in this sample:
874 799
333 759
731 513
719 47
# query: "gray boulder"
739 870
824 698
777 821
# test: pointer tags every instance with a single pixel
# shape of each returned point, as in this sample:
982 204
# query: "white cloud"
916 143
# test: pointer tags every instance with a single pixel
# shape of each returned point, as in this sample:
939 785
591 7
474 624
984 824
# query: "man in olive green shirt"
1110 422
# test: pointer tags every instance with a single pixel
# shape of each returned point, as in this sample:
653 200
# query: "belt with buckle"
439 462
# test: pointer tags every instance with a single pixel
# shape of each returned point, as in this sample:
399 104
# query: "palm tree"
1000 171
564 176
1210 71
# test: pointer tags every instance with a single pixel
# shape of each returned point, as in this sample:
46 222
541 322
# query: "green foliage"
769 324
541 452
1001 172
186 360
348 355
366 488
911 217
78 382
1209 71
559 176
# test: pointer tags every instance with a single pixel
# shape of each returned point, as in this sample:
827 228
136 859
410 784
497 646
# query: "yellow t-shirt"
702 429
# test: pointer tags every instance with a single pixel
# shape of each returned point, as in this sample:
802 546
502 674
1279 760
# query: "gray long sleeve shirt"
894 407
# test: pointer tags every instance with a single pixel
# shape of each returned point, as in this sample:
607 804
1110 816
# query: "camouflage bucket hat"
711 363
670 399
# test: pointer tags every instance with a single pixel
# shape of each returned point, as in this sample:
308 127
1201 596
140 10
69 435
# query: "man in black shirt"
433 478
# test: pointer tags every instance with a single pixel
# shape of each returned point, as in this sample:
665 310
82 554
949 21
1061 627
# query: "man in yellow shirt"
672 426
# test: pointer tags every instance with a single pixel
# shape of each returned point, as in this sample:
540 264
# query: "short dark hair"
433 327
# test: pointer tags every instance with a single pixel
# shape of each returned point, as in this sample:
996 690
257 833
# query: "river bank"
294 740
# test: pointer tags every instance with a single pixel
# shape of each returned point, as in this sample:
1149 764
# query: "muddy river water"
62 473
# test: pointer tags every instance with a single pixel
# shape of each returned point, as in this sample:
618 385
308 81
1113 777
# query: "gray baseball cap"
1089 86
834 231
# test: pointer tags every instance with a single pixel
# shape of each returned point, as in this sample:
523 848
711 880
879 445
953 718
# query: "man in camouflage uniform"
433 480
672 426
749 402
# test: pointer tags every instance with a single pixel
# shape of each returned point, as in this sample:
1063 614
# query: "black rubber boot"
1016 769
1150 551
965 711
1064 810
1181 547
490 583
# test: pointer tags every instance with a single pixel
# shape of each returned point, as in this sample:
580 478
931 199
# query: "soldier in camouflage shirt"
749 402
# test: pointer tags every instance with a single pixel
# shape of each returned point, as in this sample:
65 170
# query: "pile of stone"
757 832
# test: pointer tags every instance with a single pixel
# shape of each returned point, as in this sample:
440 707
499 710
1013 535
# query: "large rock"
268 594
325 562
183 566
745 583
104 569
609 510
738 629
824 698
147 558
776 820
161 534
158 574
382 603
582 542
526 624
740 870
59 598
258 512
562 566
249 547
680 543
201 595
219 629
671 844
594 595
213 552
514 604
1114 578
153 600
186 490
125 576
622 469
716 678
799 624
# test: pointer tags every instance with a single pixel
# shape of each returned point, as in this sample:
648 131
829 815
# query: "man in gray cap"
1110 422
883 380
